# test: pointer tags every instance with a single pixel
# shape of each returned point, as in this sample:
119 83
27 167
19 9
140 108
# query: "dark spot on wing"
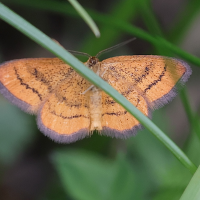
26 85
41 77
115 113
68 117
157 80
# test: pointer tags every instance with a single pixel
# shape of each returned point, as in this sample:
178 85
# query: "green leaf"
88 176
85 17
192 191
13 120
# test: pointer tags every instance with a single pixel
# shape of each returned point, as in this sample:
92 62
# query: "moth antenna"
79 53
114 47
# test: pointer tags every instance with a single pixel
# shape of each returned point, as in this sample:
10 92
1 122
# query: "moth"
69 108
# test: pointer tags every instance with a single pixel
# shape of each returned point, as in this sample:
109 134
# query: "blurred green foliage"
100 167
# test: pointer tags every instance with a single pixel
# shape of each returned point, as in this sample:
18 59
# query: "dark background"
34 167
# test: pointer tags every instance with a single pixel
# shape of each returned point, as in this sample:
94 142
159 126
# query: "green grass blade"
192 191
186 18
85 17
128 12
115 23
26 28
193 119
152 24
158 41
148 17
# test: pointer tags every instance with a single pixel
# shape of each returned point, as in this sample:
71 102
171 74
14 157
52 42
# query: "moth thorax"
95 109
93 64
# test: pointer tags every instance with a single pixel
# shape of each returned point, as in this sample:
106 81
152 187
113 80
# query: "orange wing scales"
69 108
62 123
64 117
28 82
116 121
155 77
